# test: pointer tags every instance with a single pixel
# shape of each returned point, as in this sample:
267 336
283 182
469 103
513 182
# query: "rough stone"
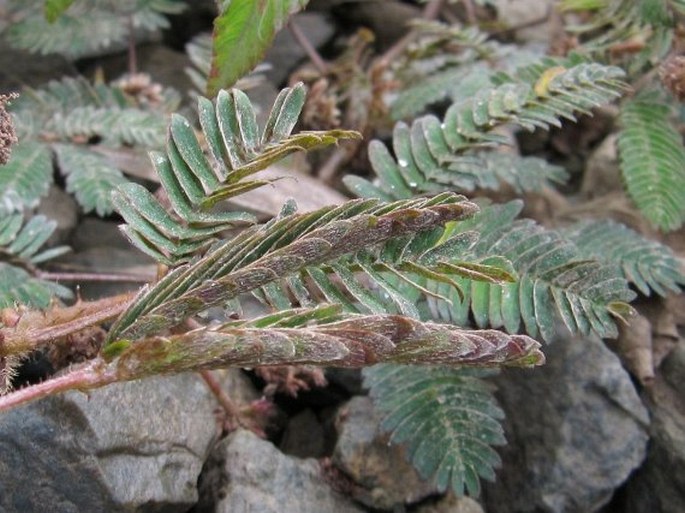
575 427
304 436
246 474
60 207
602 171
451 504
136 446
659 486
515 13
385 478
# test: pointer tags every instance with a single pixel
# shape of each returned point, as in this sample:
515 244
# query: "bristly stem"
93 374
33 330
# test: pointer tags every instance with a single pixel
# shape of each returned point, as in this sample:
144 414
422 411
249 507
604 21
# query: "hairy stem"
31 330
90 375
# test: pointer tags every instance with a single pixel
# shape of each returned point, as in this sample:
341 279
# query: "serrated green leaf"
242 33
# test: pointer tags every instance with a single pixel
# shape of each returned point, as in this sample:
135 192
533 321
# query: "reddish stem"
113 277
91 375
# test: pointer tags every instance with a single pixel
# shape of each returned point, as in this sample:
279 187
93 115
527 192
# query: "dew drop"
402 163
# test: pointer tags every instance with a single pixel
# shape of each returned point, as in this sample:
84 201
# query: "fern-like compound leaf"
434 155
556 281
82 27
89 177
247 29
20 251
26 177
614 22
447 419
652 160
20 241
63 117
195 181
645 263
72 109
282 248
18 287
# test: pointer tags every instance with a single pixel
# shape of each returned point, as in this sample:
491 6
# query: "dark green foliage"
615 21
55 8
447 419
645 263
20 251
195 182
26 177
63 117
434 155
653 161
79 27
555 281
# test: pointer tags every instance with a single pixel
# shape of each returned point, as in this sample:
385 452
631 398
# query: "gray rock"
248 475
659 486
62 208
129 447
515 13
602 171
576 428
385 478
285 53
304 436
451 504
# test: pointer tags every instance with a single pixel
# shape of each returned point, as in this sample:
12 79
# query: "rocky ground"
583 434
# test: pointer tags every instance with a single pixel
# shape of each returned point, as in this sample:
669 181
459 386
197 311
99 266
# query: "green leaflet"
645 263
20 246
79 27
433 155
195 180
447 419
616 21
20 288
64 112
242 34
89 177
653 161
555 281
53 9
287 246
26 177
